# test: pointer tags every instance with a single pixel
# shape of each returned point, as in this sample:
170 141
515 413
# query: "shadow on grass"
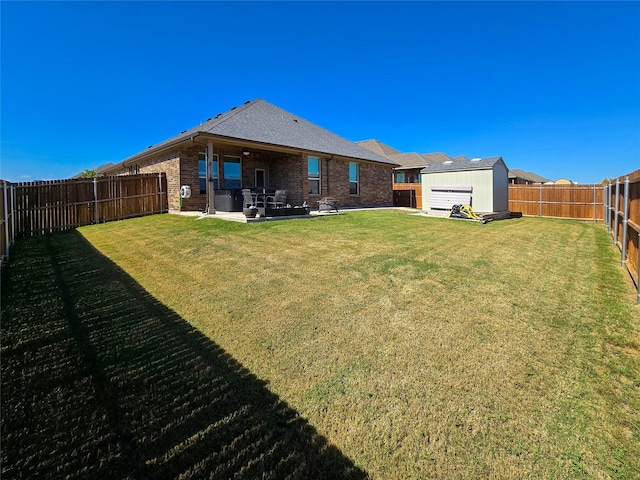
100 380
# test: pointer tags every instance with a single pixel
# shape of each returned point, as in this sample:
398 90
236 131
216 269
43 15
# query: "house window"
232 172
202 172
400 178
313 169
354 175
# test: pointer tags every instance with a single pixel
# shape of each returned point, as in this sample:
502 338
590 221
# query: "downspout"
327 175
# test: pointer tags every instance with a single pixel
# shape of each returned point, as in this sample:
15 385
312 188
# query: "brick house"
259 145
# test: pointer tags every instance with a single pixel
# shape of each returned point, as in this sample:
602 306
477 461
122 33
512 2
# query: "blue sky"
553 88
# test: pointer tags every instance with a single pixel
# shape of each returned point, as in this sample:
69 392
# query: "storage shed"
482 183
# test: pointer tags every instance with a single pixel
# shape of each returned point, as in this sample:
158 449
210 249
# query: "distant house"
259 145
481 183
563 181
520 177
409 164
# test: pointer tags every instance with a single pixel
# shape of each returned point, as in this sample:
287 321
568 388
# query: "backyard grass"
370 344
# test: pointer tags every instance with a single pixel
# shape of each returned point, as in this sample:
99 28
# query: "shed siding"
500 188
490 187
481 180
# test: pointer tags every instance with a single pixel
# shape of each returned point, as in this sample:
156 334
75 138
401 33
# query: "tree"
86 173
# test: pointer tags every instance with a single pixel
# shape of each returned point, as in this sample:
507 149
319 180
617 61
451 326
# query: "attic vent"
248 101
150 146
447 162
217 115
183 131
475 159
295 120
234 108
208 119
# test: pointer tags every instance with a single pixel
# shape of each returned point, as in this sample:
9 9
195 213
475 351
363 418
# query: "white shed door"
443 197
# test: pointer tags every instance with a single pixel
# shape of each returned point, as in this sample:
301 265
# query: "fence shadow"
100 380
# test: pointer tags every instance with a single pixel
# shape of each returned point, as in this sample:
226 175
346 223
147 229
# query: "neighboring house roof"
563 181
405 160
260 122
409 160
105 167
378 147
418 160
459 165
528 176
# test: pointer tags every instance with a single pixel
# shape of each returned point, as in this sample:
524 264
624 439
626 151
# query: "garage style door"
443 197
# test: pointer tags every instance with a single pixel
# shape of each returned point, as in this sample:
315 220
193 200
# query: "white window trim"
319 179
356 181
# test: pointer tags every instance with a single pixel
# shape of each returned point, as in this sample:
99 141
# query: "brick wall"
284 171
289 172
376 186
189 175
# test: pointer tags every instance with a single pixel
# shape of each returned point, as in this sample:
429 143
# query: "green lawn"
371 344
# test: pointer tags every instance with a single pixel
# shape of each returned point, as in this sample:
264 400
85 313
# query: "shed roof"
261 122
462 165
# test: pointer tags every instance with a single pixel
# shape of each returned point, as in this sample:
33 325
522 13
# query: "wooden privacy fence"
38 208
622 218
407 195
579 202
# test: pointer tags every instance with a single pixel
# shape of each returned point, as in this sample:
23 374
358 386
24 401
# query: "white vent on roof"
447 162
475 159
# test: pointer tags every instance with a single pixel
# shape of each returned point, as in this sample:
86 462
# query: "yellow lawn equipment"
466 212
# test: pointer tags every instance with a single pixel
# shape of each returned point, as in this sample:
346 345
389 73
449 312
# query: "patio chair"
278 199
250 199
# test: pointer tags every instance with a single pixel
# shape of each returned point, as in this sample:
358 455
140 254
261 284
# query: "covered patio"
263 148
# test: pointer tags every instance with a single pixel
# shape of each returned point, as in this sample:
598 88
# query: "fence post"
540 200
625 219
95 200
615 213
638 272
604 205
6 220
595 212
608 204
160 189
13 214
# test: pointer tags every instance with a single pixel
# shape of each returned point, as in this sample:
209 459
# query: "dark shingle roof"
405 160
260 121
458 165
378 147
528 176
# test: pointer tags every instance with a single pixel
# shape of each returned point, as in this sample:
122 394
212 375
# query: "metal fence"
622 219
38 208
